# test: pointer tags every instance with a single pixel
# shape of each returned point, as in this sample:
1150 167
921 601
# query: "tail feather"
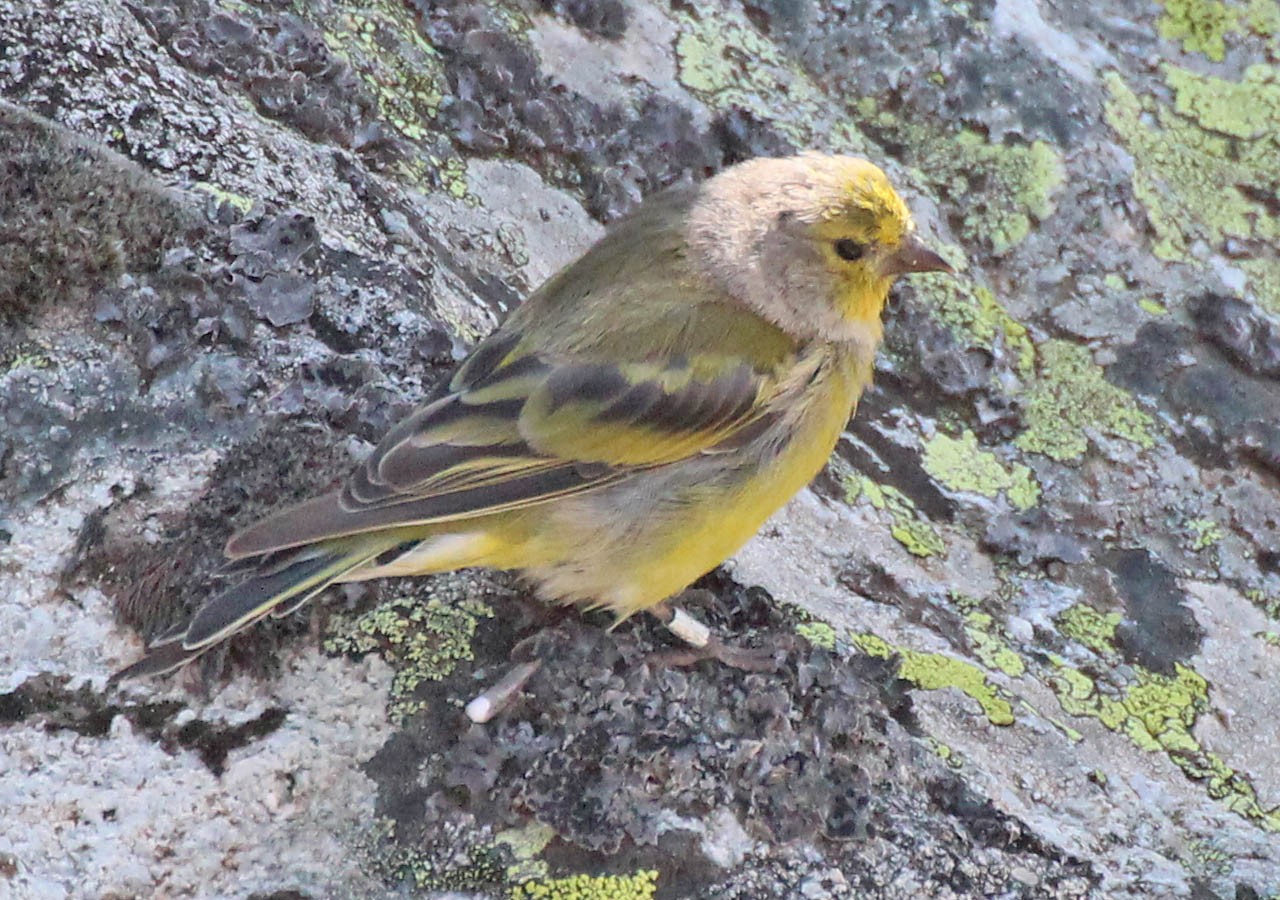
160 659
281 587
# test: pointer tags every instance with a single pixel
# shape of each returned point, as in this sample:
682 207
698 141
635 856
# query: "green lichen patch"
948 754
27 355
1090 627
524 844
1065 395
451 174
910 527
1158 714
1269 605
961 465
963 602
383 44
1004 189
1247 109
977 319
1203 26
991 648
1018 185
934 671
1204 533
1071 395
640 886
1205 166
424 641
1206 857
729 65
459 860
238 202
820 634
1262 17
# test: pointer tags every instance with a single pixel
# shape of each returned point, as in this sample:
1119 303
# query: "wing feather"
513 429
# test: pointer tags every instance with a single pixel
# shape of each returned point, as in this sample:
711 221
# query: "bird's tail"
278 587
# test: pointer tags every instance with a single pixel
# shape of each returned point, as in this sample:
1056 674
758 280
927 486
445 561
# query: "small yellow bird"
633 423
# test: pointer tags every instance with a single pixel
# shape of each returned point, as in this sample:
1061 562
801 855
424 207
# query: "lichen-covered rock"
1025 625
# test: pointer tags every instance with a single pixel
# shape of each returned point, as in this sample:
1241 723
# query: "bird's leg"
703 644
680 623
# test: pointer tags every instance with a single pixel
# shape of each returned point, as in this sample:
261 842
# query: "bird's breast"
642 540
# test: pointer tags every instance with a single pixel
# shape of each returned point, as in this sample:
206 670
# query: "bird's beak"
913 256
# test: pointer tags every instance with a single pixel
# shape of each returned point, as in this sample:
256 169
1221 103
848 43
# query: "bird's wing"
514 429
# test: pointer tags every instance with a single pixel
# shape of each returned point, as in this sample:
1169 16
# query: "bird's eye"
849 250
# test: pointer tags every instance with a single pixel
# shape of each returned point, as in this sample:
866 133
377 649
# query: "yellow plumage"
633 423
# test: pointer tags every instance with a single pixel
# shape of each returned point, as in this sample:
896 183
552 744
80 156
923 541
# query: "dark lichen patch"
501 104
1245 333
989 826
1006 89
927 364
212 742
274 268
610 748
48 700
74 217
1158 629
742 135
385 309
280 61
263 244
268 252
1223 416
282 894
605 18
85 711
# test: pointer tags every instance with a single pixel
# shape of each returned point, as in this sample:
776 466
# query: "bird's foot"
703 643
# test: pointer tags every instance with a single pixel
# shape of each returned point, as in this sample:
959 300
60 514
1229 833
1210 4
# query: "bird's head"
811 242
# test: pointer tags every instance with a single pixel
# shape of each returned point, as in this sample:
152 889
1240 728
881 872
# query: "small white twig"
499 696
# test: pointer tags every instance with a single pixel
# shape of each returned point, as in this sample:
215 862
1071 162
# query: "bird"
629 426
